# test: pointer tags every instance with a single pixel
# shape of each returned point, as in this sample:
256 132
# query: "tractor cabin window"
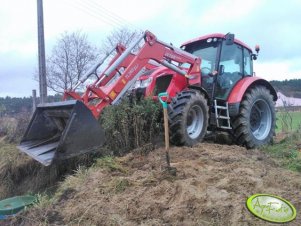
247 63
230 69
207 51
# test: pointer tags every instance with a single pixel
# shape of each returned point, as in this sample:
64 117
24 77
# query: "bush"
7 126
131 125
13 128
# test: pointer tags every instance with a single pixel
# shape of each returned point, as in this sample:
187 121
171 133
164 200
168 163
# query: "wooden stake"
166 136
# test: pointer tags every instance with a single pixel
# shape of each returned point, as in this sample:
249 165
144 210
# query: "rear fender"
243 85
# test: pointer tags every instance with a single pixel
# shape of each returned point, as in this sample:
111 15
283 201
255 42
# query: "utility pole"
41 47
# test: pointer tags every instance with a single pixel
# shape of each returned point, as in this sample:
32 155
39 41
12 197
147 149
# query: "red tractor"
210 84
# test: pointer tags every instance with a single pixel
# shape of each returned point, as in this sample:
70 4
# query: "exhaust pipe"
61 130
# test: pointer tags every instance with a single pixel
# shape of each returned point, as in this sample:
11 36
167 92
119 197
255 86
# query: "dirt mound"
210 188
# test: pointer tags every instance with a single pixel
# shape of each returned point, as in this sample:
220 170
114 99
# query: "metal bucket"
61 130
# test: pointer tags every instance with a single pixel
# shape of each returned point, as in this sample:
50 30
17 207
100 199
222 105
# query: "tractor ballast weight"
61 130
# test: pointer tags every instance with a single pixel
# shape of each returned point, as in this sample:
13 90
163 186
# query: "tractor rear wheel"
188 118
255 124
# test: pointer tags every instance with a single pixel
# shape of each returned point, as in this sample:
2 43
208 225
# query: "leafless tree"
71 57
123 36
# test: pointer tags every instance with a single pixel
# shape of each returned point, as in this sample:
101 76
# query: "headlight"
146 82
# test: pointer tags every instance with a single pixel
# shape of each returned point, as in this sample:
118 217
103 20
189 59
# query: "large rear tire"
188 118
255 124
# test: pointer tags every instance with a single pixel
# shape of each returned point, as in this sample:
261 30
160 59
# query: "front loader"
61 130
65 129
209 82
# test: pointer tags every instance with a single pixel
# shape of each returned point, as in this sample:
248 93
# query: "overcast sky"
274 25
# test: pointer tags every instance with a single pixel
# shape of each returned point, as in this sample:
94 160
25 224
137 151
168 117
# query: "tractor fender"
239 90
243 85
202 90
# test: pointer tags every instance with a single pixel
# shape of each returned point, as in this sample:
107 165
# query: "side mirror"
254 56
229 39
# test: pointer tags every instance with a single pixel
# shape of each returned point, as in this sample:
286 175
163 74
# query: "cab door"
230 69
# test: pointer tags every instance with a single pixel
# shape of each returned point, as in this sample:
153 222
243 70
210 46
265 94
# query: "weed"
287 152
110 164
288 121
43 200
14 128
72 181
19 174
121 184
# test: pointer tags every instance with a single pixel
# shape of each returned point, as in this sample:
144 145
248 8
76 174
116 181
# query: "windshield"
206 50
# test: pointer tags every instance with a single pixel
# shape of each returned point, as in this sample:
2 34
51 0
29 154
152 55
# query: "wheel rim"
195 121
260 119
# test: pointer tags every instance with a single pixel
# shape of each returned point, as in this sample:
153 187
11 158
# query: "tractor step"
222 116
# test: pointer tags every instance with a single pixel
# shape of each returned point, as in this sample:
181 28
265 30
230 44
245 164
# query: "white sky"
274 25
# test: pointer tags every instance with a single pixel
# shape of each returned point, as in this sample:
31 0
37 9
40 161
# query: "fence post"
34 100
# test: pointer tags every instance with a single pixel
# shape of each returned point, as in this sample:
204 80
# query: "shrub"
14 128
7 126
131 124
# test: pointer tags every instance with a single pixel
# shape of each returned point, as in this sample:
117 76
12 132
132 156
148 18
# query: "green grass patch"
110 163
8 152
288 121
288 151
120 184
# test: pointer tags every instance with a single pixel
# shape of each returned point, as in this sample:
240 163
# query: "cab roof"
215 35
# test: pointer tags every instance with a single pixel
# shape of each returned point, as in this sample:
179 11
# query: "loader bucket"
61 130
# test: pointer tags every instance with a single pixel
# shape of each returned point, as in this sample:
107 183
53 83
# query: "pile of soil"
211 185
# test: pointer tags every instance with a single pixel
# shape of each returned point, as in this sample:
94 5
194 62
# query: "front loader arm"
105 92
101 79
66 129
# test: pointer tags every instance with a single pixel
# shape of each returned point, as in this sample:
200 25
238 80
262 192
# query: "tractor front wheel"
255 125
188 118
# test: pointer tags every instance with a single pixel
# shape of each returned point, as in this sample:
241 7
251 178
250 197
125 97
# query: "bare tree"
71 57
123 36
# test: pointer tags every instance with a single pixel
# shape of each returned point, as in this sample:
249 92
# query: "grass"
8 152
283 122
10 158
119 184
77 179
288 151
110 163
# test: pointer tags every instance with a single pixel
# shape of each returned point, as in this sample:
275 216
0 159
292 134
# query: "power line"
109 12
107 16
83 8
96 6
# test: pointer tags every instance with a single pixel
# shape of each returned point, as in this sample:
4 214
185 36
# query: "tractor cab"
224 61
